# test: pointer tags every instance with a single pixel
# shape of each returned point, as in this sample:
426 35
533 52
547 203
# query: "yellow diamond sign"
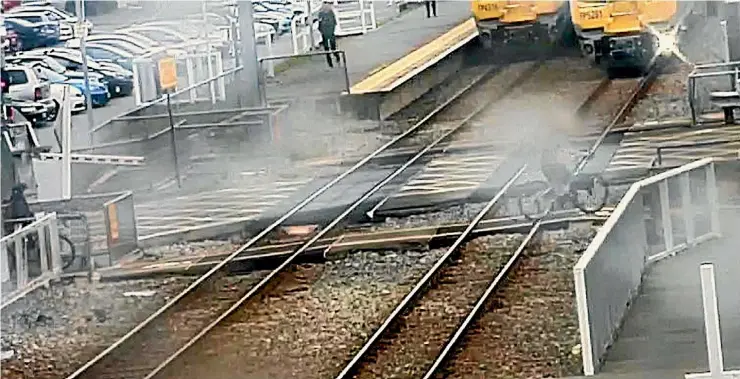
167 73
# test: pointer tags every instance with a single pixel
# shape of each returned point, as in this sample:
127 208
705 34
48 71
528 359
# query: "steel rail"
356 361
635 95
263 283
269 229
492 287
495 284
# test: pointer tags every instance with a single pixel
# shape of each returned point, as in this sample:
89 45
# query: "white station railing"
683 205
46 233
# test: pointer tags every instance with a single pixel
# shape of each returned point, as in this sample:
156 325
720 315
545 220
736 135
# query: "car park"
106 53
60 15
99 95
77 100
11 43
31 93
278 19
28 34
65 28
118 80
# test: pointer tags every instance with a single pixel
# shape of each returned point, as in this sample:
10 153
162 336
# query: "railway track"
424 330
161 345
163 337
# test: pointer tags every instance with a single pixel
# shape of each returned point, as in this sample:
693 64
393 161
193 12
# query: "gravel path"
531 327
52 332
308 325
665 99
424 330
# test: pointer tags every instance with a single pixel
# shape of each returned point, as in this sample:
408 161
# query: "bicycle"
580 189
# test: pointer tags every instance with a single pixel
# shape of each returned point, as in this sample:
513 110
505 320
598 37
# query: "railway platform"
664 330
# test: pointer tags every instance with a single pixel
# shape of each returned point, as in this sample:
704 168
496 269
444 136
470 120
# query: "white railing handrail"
601 328
605 229
28 229
50 260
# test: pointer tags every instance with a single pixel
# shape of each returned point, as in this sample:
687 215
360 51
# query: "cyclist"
556 163
17 208
18 212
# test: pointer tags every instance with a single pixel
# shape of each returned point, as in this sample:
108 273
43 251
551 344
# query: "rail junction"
438 143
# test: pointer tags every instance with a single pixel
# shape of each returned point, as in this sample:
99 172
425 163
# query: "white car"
77 99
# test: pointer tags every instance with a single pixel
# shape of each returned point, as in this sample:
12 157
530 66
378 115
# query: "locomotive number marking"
591 15
486 7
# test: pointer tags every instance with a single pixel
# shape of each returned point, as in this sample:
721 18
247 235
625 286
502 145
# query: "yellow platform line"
395 74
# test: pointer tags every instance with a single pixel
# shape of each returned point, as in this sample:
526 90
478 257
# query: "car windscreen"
17 77
49 74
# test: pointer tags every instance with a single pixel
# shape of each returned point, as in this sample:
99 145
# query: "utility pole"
250 72
82 30
732 16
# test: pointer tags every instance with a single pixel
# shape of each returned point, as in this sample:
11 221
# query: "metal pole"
207 38
248 50
66 146
311 40
711 320
726 45
173 138
82 30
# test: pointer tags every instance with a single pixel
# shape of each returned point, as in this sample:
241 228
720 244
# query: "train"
506 22
615 34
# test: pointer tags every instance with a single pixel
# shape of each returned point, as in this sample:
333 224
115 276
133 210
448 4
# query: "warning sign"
113 222
167 74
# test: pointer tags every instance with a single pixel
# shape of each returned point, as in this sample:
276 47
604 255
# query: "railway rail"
158 343
153 344
425 329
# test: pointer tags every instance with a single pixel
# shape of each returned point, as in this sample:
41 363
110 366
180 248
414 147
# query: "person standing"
431 6
327 24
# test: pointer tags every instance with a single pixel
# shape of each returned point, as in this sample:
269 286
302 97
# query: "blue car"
99 94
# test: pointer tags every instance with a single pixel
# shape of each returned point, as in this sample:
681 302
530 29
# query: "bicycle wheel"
593 197
67 251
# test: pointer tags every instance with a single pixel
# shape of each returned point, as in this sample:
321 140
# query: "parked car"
10 4
25 86
11 43
34 112
106 53
99 95
118 80
63 17
280 20
140 41
29 35
77 100
51 23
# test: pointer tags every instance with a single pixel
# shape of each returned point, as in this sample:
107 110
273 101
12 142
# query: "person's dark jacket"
327 22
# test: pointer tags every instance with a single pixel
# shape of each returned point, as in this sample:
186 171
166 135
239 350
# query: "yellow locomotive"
501 22
623 34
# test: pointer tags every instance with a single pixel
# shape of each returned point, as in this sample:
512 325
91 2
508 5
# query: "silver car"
26 85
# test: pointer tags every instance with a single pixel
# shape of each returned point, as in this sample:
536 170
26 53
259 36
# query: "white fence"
354 17
45 234
658 217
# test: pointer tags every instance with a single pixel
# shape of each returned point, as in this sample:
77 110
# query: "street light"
81 31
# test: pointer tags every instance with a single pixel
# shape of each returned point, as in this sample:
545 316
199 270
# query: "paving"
664 330
369 52
639 149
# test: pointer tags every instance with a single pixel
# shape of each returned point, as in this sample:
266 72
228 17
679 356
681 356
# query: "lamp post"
81 30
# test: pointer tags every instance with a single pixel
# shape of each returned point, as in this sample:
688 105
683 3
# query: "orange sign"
113 221
168 73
